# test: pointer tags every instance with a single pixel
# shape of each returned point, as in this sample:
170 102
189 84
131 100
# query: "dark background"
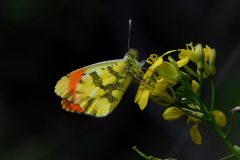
42 40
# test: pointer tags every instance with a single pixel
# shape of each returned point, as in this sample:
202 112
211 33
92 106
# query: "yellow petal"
195 86
210 56
220 118
156 64
168 72
143 99
161 85
207 52
195 134
183 62
199 57
206 70
151 69
185 53
172 114
139 92
163 94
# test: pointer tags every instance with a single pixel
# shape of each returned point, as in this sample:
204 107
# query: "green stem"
230 124
213 94
229 157
140 153
200 79
226 140
219 131
144 155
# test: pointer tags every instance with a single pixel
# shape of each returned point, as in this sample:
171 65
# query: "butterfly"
97 89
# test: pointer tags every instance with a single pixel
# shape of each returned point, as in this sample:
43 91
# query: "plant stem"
213 94
144 155
229 157
200 86
140 153
219 131
230 124
225 139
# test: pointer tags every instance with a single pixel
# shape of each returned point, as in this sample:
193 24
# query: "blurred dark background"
42 40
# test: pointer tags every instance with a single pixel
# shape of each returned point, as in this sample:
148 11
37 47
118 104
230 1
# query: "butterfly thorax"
134 66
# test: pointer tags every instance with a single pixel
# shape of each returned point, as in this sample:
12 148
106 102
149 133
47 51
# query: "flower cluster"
175 82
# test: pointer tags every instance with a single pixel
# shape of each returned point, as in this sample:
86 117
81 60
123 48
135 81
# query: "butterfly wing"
96 89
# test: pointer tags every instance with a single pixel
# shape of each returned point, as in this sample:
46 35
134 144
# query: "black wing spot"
116 74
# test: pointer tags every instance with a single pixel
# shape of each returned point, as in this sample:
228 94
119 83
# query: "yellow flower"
157 82
145 87
210 56
204 58
163 69
191 53
163 93
168 71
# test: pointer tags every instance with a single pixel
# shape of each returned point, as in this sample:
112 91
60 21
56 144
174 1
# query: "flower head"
157 82
204 58
177 84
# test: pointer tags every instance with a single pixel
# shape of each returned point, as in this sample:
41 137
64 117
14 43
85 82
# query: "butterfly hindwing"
95 89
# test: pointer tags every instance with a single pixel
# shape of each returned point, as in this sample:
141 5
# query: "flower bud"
195 86
172 114
210 56
212 62
199 58
195 134
220 118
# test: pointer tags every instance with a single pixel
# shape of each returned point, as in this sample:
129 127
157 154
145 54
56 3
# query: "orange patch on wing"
75 77
71 107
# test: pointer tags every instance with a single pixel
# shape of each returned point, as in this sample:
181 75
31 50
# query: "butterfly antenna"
129 32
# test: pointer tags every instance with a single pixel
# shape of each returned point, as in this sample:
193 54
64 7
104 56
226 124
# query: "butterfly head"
133 53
